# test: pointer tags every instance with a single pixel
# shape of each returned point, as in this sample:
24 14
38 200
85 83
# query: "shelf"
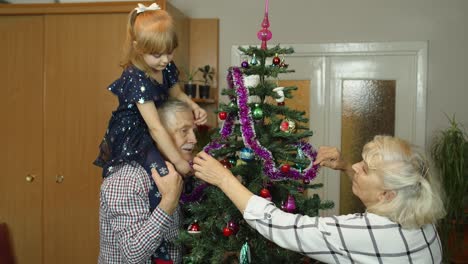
203 101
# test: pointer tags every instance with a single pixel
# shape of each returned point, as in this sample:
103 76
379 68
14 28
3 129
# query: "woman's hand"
210 170
170 187
330 157
200 115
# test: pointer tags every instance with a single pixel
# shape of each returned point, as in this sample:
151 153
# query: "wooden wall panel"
75 8
57 64
82 59
21 133
182 53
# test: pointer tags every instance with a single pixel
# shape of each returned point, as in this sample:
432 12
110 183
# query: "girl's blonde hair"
405 171
149 32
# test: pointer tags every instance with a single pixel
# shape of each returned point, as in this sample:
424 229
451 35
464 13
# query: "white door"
330 67
402 70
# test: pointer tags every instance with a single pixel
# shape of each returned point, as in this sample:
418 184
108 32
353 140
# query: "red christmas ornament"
227 231
288 126
265 193
276 60
226 163
283 64
222 115
194 228
281 104
284 126
285 168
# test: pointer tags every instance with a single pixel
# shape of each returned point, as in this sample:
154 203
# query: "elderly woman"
393 181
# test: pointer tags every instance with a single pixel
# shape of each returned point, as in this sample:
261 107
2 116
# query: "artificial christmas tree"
265 143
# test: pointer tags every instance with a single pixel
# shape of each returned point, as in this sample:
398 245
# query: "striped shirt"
129 232
356 238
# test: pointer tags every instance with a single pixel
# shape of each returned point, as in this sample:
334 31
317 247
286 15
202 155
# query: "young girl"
150 77
135 134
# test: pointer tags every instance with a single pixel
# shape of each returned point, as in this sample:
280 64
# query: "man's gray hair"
168 109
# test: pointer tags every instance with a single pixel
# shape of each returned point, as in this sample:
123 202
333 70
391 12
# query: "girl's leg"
156 161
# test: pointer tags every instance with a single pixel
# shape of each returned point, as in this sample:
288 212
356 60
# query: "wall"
204 50
441 23
182 22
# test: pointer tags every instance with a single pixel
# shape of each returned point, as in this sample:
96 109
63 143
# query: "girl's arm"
198 112
159 134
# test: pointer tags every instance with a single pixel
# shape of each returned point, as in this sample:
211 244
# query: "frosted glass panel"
368 109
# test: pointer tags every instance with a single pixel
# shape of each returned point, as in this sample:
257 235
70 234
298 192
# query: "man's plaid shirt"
129 233
358 238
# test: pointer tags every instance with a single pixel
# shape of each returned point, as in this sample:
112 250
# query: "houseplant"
190 87
450 153
207 75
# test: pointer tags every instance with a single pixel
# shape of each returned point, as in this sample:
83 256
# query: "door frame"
320 94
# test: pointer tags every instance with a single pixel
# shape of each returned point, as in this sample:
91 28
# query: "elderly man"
130 232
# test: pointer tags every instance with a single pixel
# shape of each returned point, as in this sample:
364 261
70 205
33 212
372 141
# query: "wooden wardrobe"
57 60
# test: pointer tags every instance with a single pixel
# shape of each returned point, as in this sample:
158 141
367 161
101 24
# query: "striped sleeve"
286 230
353 238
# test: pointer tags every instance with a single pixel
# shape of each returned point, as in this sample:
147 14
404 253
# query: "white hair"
168 110
405 171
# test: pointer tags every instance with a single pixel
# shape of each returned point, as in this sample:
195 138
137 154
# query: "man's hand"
170 187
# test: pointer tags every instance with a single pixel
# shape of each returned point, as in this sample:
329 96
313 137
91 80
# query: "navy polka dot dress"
127 137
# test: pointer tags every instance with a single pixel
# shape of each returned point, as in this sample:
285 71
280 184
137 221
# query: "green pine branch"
215 210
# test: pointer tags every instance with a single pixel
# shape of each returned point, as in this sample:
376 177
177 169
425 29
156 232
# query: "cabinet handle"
30 178
59 178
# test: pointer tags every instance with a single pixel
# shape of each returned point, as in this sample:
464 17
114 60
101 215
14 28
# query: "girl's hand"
183 167
210 170
170 187
200 115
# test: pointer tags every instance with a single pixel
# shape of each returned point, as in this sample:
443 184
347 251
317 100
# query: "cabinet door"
82 54
21 119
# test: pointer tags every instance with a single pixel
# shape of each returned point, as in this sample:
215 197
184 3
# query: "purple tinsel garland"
235 81
228 125
195 195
